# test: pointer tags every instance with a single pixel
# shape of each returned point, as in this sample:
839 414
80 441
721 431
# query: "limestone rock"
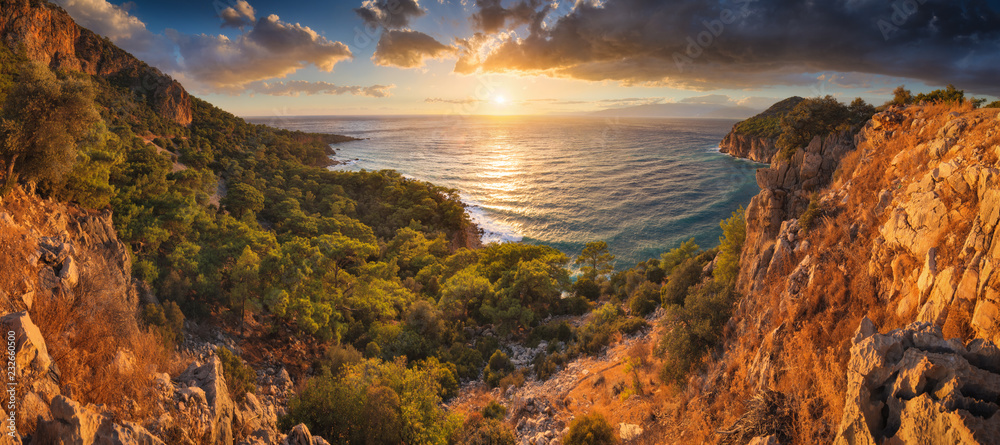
209 378
73 423
32 357
628 431
913 386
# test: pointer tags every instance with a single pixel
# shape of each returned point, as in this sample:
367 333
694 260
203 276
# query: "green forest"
246 226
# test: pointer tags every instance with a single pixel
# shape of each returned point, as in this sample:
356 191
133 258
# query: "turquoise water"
642 185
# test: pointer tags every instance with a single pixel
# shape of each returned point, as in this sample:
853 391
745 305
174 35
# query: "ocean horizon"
644 185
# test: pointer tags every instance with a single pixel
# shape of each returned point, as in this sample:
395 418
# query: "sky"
399 57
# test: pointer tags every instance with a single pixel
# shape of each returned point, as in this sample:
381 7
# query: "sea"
642 185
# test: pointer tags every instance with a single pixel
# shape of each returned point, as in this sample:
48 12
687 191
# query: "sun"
499 100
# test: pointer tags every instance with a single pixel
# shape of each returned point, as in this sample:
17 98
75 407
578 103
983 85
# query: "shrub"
498 368
587 288
373 402
811 118
494 410
544 367
734 233
645 299
684 276
338 357
694 328
552 331
591 429
813 211
167 320
631 325
482 430
240 378
515 379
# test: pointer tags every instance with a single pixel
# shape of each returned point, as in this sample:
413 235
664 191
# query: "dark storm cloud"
408 49
749 43
389 14
491 16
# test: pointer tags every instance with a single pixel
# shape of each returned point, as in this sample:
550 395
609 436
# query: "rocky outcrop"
786 189
61 252
204 395
746 146
75 424
913 386
48 35
756 138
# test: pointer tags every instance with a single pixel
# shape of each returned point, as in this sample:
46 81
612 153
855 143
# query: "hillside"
47 35
756 138
172 274
903 235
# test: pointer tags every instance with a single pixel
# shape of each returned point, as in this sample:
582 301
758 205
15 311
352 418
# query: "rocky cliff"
898 224
747 146
757 137
69 300
48 35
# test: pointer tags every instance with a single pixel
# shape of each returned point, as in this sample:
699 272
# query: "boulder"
913 386
32 356
69 274
629 431
209 378
73 423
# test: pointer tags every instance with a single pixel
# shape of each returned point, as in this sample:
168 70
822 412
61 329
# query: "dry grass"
85 342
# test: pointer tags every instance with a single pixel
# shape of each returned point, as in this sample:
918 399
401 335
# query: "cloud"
409 49
492 17
748 43
122 28
299 87
757 102
265 49
711 99
389 14
465 101
271 48
240 15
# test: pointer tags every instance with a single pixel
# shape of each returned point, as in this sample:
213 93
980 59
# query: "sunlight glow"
499 100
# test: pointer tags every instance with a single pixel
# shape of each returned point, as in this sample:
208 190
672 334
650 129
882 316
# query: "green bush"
338 357
544 367
684 276
734 234
811 118
591 429
240 378
167 319
551 332
494 410
587 288
373 402
631 325
694 329
482 430
811 213
499 367
645 299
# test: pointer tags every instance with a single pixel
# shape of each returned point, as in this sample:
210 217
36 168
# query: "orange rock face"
48 35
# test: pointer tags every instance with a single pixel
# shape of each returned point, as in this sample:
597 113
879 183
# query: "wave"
493 230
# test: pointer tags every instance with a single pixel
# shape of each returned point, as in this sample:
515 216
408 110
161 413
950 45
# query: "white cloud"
267 48
240 15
